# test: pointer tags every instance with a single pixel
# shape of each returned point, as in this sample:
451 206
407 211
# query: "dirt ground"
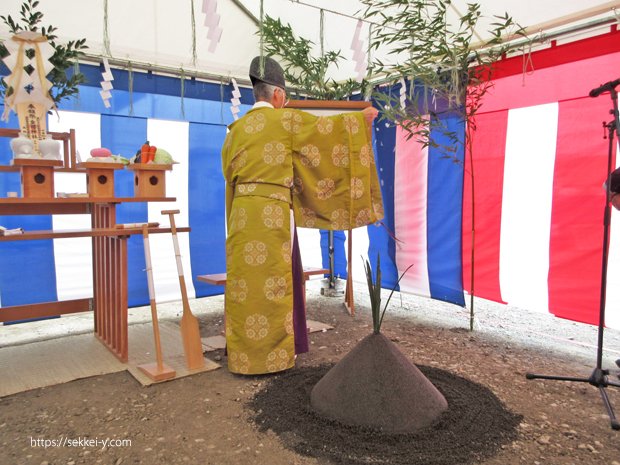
208 418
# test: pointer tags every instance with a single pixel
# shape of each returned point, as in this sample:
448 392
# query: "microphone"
608 86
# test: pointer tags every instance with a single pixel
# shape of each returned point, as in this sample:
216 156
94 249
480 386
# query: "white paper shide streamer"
403 94
236 100
106 84
359 56
212 22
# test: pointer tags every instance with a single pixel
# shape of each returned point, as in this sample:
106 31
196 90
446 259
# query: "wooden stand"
37 176
149 179
109 247
158 371
100 177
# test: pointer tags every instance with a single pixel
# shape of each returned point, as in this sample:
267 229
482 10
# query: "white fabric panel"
172 136
526 208
310 247
410 200
612 301
73 257
360 249
87 133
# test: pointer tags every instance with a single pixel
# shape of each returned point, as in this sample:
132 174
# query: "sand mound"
376 386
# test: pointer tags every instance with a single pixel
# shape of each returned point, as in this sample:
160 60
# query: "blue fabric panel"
27 273
380 240
147 105
340 258
207 209
9 182
444 214
125 135
165 85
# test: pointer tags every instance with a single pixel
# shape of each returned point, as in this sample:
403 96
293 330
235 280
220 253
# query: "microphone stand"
600 377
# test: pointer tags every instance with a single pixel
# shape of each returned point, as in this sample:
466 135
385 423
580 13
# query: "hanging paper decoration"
359 56
236 100
403 93
28 90
106 84
212 22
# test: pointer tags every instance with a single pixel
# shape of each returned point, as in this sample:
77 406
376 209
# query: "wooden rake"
158 371
190 330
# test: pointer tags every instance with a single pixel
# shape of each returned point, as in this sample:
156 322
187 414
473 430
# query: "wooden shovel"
189 323
156 371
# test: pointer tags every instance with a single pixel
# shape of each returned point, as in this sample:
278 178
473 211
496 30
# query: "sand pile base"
376 386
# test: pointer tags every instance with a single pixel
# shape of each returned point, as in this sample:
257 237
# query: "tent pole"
608 7
247 12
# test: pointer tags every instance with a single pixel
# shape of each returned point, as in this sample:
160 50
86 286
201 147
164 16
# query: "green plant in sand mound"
374 291
375 385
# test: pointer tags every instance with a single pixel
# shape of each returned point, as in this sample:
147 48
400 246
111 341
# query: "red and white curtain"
539 163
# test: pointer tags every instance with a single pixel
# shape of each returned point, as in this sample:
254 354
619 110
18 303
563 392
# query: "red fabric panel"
488 148
550 85
561 54
577 213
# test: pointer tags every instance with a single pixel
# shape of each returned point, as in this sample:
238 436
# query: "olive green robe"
274 160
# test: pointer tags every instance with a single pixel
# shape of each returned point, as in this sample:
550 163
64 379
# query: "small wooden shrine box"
149 179
37 176
100 177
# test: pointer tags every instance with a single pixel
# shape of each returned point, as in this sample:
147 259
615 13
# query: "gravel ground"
208 418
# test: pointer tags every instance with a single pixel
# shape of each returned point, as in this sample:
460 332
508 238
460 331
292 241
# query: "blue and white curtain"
192 129
48 270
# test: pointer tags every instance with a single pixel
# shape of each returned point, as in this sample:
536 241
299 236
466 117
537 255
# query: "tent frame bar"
609 7
164 70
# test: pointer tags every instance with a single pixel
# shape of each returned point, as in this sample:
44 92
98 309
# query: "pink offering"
100 153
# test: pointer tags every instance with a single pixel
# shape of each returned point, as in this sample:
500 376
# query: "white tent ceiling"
159 32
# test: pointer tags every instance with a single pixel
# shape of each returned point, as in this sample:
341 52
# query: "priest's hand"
370 113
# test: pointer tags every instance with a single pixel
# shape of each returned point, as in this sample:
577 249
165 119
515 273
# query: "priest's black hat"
273 73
